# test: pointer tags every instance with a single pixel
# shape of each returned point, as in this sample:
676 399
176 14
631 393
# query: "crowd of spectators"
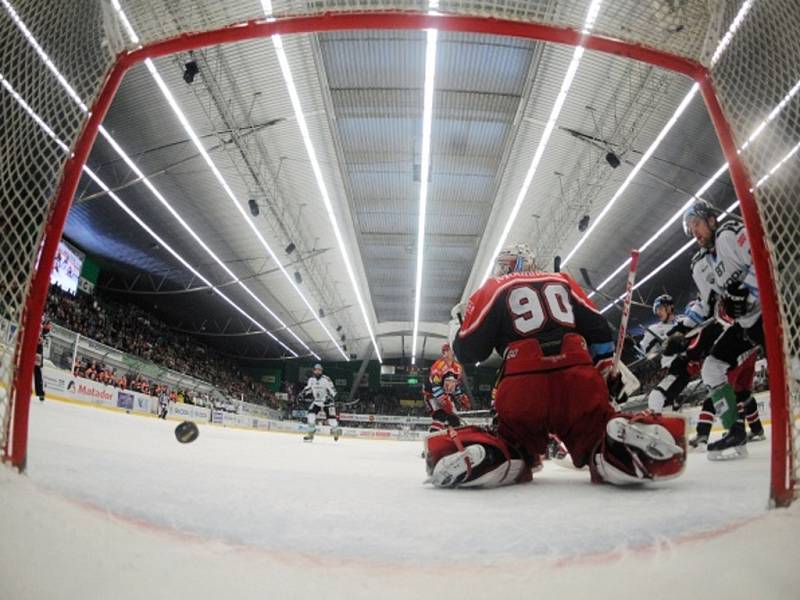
131 329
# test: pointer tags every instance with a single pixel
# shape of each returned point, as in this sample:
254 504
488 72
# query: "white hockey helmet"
318 367
514 258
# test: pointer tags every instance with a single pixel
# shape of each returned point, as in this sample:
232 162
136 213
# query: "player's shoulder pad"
698 256
730 235
734 226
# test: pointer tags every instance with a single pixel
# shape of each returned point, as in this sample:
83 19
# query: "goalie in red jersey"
443 392
555 379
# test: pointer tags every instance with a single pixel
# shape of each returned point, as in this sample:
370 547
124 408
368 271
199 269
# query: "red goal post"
738 92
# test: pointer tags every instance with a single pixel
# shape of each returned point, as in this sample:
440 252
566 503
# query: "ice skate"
733 445
653 439
756 436
336 432
309 436
699 442
453 469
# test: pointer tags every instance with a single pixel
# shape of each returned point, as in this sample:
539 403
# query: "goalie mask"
449 383
514 259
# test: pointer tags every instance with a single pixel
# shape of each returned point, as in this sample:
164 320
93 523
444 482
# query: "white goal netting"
42 119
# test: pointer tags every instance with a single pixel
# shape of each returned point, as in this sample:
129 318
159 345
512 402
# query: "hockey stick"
626 311
588 282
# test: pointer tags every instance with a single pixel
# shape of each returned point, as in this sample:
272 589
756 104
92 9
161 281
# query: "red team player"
444 391
556 351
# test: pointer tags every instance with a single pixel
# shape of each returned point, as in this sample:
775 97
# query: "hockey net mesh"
31 160
757 70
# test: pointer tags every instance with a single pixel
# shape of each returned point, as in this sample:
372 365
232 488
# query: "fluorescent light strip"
679 213
43 55
9 88
723 44
724 214
229 192
62 80
635 171
163 201
734 27
125 22
277 42
425 165
548 130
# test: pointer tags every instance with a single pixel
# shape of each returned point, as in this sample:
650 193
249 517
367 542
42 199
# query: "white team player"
655 339
725 277
322 394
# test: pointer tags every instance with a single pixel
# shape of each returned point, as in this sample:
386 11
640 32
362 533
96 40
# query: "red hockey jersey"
543 306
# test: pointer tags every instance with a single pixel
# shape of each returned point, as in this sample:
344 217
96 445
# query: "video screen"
67 268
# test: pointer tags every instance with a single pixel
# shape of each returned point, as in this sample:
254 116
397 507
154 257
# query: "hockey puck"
186 432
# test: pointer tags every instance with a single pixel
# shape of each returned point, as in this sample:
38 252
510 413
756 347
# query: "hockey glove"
676 344
735 300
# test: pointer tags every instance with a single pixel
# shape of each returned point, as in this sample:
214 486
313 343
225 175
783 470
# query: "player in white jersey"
322 394
724 274
677 375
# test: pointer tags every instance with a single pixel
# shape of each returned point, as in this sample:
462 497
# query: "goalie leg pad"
640 448
472 457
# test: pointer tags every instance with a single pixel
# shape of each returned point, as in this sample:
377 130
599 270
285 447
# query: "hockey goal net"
60 67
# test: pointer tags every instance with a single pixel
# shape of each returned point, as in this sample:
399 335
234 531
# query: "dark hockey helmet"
662 300
701 209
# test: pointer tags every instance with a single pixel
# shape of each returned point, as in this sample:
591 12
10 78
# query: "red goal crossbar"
781 481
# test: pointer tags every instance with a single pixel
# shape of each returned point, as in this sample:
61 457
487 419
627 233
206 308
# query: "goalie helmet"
701 209
515 258
662 300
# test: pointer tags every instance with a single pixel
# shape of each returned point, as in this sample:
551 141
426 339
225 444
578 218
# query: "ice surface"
116 492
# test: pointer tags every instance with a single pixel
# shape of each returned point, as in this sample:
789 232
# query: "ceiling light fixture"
425 165
612 159
190 70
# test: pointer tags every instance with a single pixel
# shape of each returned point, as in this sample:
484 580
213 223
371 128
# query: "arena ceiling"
362 99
